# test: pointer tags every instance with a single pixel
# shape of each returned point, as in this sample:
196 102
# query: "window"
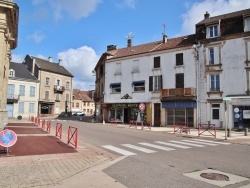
57 97
21 107
139 85
216 111
87 103
155 83
67 85
118 68
211 56
77 104
157 62
32 108
179 59
84 104
22 90
32 91
72 104
46 95
47 81
115 87
58 82
247 24
11 73
213 31
179 80
135 66
214 82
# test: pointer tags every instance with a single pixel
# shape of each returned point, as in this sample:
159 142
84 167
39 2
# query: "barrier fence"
132 123
48 127
59 130
210 128
182 127
72 136
146 124
43 123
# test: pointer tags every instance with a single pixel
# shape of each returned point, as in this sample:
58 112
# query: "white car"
78 113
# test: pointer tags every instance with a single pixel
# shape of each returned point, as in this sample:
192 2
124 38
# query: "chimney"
111 47
59 61
129 42
207 15
165 38
50 59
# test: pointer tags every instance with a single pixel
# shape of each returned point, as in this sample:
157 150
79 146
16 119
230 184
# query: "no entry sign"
7 138
141 106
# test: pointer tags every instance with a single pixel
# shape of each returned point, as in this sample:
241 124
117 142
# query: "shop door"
157 114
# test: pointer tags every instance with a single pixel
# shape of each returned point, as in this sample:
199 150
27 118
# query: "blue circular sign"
7 138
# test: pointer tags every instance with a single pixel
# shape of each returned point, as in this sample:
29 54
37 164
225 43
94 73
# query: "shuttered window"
179 80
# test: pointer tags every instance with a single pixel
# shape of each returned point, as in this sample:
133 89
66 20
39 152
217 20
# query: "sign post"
7 138
226 99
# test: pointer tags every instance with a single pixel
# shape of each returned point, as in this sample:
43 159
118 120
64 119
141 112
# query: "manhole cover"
215 176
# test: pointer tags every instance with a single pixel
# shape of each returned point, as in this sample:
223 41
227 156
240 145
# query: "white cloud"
16 58
215 7
36 37
80 62
127 3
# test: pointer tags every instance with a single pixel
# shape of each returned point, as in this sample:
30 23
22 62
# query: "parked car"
77 112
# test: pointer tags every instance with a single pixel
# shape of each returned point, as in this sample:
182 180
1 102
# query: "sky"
79 31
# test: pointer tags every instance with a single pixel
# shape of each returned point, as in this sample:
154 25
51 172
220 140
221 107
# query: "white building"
161 75
23 92
224 56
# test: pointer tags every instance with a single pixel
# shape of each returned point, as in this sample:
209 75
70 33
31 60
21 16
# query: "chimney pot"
165 38
206 15
111 47
129 42
50 59
59 61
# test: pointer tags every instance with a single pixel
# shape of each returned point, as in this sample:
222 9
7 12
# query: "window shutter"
179 80
161 82
179 59
150 83
157 62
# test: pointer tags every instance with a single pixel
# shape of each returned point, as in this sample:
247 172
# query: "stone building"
9 13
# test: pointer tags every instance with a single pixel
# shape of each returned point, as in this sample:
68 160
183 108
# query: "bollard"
246 131
228 132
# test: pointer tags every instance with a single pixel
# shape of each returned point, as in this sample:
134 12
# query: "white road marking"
174 145
210 141
189 144
118 150
197 142
156 146
139 148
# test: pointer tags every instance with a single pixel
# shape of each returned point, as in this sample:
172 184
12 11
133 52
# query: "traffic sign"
7 138
227 98
142 106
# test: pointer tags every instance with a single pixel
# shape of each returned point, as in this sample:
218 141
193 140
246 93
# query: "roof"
172 43
81 95
51 66
225 16
21 71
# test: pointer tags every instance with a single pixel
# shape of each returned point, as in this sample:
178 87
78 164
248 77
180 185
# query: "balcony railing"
59 89
13 97
178 92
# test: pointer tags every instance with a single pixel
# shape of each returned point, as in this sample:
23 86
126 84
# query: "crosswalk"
156 146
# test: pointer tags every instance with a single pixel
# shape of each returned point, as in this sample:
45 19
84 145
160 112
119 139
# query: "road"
144 165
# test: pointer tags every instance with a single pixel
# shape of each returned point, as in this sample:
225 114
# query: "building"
82 101
9 13
161 75
55 92
23 87
224 56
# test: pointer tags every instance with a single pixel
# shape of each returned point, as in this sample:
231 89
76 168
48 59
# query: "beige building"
9 13
55 92
83 101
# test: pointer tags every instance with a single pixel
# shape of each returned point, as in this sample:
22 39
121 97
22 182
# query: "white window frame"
214 82
157 83
32 107
21 107
22 90
47 80
32 91
12 73
213 31
211 56
67 84
247 24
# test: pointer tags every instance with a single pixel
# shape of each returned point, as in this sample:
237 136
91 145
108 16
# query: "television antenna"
130 35
164 28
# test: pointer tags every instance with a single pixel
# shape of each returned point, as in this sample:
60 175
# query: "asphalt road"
158 167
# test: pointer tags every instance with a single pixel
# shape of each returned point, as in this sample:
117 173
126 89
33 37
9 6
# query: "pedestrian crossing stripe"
183 144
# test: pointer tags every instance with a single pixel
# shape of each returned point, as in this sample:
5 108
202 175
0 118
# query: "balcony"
12 98
178 93
59 89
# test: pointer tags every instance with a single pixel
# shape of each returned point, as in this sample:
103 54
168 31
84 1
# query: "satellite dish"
130 35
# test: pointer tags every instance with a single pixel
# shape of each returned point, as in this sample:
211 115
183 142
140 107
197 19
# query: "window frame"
32 91
211 56
31 107
12 73
157 62
139 87
47 81
212 32
179 80
22 90
21 107
179 59
214 81
115 88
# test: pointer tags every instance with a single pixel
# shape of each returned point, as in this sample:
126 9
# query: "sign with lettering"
7 138
124 105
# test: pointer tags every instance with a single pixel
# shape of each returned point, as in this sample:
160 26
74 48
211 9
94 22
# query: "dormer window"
247 24
213 31
11 73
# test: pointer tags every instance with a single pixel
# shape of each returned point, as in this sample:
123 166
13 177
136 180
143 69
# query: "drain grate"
215 176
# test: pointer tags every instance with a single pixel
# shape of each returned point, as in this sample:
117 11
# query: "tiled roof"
172 43
21 71
76 94
51 66
224 16
81 95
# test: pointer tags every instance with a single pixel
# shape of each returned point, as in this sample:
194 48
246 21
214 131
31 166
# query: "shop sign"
246 114
124 105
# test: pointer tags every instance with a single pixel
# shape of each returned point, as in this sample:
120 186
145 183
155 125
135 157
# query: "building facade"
224 54
55 92
23 87
9 12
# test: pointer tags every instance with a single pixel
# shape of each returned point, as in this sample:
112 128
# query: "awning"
138 83
115 85
179 104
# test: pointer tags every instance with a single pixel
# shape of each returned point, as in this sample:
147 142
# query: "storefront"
124 112
241 116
